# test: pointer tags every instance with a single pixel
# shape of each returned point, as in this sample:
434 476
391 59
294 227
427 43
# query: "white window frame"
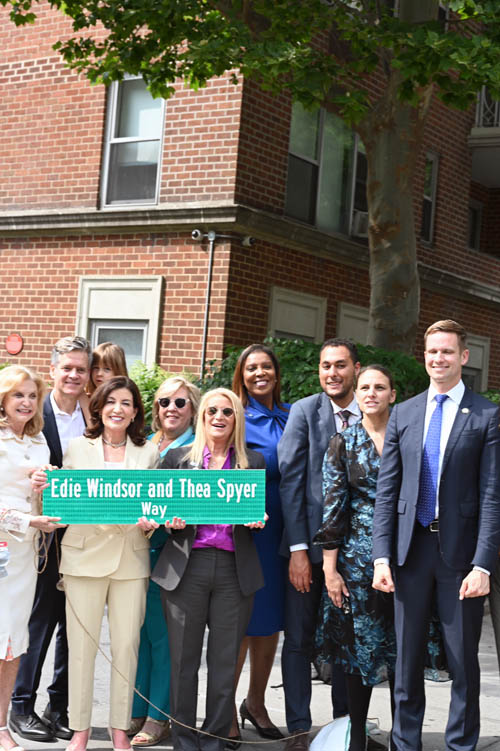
479 356
110 140
141 297
350 187
281 295
433 157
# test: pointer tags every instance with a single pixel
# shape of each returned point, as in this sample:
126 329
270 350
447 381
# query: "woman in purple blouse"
208 574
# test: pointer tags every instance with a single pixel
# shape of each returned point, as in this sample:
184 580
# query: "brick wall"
39 291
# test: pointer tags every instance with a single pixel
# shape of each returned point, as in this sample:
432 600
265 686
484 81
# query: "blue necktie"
426 504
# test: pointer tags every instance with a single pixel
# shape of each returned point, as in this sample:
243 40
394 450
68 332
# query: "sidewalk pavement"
438 696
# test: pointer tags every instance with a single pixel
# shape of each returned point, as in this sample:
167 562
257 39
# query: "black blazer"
469 489
173 559
51 433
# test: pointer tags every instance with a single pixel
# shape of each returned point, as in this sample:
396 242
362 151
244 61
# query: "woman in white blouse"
106 564
22 449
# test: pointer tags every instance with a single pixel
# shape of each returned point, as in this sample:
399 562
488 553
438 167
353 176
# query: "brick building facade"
101 191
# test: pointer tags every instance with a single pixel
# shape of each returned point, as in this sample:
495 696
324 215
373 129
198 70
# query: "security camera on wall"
197 234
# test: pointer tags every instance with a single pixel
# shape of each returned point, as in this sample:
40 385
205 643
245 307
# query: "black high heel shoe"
271 733
233 742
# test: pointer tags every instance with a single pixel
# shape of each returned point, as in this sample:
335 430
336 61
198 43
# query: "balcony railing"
487 111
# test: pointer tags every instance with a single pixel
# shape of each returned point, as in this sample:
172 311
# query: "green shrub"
148 380
299 368
493 395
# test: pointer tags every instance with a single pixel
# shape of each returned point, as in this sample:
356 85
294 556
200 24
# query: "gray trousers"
495 605
208 595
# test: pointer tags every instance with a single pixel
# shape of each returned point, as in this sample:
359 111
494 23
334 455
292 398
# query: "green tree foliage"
320 51
148 380
299 362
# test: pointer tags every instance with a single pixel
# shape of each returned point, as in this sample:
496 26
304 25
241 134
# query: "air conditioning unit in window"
359 226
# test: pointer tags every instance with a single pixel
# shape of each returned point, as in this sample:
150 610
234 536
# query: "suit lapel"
416 427
326 419
459 423
132 453
51 433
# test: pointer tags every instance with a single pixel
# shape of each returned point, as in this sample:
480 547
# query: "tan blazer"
117 551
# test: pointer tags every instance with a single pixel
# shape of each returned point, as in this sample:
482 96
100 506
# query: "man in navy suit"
311 424
437 521
63 420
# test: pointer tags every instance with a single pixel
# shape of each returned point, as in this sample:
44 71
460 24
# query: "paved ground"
434 724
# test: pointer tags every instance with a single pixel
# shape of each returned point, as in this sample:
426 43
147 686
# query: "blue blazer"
301 449
469 490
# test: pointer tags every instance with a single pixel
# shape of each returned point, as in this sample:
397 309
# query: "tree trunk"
392 135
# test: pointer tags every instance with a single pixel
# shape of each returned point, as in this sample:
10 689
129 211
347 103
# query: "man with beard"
311 424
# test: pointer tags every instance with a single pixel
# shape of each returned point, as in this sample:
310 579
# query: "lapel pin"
465 410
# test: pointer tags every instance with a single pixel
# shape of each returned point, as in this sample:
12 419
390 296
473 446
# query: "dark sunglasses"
179 402
226 411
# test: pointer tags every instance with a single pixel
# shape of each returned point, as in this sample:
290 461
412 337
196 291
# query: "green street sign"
111 496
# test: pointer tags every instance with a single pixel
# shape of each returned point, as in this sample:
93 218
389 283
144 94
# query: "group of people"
382 532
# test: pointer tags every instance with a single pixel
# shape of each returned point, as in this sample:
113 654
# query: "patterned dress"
360 634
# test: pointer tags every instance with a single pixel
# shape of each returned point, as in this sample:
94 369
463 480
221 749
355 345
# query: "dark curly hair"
135 430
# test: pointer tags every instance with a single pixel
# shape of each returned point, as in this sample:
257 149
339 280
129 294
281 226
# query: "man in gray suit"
311 424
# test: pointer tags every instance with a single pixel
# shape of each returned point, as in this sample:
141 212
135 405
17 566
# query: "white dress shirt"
354 417
68 426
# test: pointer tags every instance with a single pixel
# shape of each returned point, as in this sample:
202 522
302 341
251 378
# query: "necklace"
114 445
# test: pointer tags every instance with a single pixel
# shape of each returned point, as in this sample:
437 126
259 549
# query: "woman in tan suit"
106 564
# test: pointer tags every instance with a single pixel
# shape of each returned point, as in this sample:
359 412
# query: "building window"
474 228
352 322
429 200
124 310
130 335
475 373
296 315
326 171
134 130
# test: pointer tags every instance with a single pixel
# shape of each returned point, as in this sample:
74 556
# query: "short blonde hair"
237 438
12 377
169 387
448 326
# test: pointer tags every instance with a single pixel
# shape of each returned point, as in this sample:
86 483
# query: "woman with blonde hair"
23 448
208 574
175 408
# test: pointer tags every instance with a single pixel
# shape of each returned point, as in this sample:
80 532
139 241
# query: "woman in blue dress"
257 382
175 408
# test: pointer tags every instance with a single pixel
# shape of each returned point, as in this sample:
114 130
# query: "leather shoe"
31 727
298 740
58 723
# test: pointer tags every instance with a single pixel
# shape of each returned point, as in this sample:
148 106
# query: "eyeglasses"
226 411
179 402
